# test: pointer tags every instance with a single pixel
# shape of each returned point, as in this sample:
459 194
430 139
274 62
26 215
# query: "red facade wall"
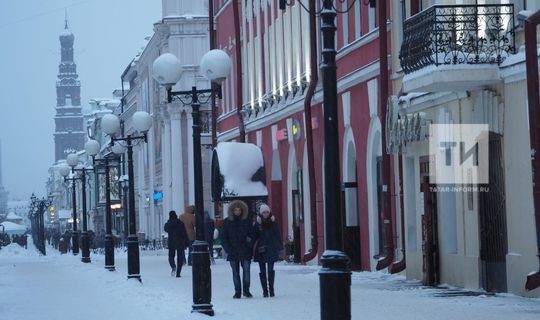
360 119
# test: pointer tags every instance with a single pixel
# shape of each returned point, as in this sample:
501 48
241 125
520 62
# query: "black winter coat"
178 238
238 238
268 244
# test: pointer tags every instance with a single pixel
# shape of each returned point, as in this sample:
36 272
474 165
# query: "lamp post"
123 181
73 160
110 123
92 148
335 275
215 65
65 171
37 209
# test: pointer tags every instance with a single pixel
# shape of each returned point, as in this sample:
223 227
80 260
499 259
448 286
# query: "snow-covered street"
61 287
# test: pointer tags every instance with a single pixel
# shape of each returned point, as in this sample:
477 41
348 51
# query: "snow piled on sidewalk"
61 286
14 250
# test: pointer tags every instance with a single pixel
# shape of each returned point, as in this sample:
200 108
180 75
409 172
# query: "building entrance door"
430 237
492 214
351 234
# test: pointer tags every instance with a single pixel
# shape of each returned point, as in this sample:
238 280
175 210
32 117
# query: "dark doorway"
380 218
297 211
492 215
430 235
351 235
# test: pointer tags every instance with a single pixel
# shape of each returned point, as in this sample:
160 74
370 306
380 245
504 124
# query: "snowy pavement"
61 287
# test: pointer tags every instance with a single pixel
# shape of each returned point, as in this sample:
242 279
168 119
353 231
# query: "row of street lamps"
37 210
215 65
142 121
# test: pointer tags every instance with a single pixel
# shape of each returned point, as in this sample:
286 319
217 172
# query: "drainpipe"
388 258
309 136
238 51
213 99
399 266
531 60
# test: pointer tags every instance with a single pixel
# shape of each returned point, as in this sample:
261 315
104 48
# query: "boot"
271 276
264 286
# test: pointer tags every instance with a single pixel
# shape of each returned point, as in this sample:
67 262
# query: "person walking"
237 239
267 248
177 242
188 218
67 239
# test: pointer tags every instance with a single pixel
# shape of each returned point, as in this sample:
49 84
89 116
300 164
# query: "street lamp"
335 275
92 148
65 171
110 123
73 161
215 65
37 209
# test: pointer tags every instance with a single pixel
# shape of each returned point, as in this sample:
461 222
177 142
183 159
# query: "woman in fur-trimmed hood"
267 248
237 238
237 204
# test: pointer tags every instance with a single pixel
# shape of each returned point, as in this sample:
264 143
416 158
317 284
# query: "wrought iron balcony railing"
458 34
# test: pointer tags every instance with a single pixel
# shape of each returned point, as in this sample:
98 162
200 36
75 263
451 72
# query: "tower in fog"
69 135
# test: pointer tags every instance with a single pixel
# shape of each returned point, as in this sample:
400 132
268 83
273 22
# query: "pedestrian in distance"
177 242
237 239
67 239
267 248
188 218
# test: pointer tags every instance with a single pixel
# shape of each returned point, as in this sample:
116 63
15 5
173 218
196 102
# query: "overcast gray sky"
108 34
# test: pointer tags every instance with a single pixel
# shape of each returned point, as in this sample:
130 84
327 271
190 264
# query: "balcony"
456 47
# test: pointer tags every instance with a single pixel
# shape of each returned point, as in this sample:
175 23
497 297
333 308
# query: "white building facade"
483 235
164 175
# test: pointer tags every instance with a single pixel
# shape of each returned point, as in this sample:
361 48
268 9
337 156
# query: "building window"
345 23
357 19
371 18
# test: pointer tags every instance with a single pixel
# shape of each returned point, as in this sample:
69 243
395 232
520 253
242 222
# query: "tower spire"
65 19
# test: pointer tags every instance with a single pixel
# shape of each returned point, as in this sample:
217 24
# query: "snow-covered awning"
12 228
13 216
238 172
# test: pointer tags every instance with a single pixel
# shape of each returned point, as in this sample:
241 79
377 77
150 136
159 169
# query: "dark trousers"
179 252
235 265
263 267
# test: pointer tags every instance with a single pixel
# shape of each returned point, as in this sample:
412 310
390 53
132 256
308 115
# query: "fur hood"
234 204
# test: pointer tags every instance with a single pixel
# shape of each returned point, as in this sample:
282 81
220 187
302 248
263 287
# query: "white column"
140 190
166 164
191 171
151 182
177 161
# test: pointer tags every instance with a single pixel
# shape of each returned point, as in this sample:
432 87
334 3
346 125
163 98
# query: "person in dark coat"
177 242
67 239
237 239
267 248
209 234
